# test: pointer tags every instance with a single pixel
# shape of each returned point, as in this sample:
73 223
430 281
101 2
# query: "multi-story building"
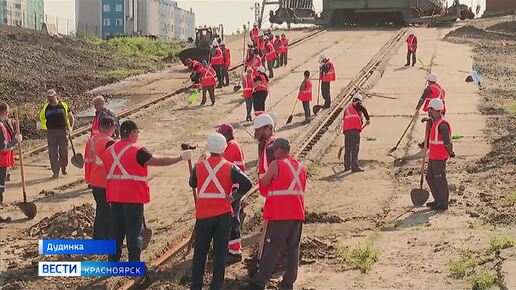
12 12
34 14
162 18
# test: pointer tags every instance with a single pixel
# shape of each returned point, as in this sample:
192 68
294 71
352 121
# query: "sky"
232 13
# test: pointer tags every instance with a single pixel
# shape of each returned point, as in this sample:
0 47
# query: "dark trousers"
249 106
436 178
280 234
126 222
283 59
234 233
325 91
409 54
306 108
218 71
57 149
270 65
225 75
3 175
351 148
217 229
101 223
211 91
259 98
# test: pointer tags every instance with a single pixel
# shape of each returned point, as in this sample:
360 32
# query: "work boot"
421 145
357 170
346 169
5 220
63 171
306 121
408 64
219 86
233 258
8 177
430 204
55 175
439 207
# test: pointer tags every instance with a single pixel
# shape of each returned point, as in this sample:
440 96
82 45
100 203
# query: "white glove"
202 157
39 126
186 155
18 138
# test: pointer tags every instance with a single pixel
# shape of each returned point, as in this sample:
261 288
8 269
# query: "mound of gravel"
509 27
76 223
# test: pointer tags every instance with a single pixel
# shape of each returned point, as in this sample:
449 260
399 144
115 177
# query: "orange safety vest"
213 184
94 172
278 45
254 34
436 144
218 59
263 84
285 197
209 77
235 155
195 64
330 75
271 55
306 94
411 46
126 180
227 57
248 86
256 62
95 126
261 46
352 119
284 40
436 92
6 156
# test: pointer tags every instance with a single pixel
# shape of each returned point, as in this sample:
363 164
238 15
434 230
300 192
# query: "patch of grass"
312 169
496 243
511 108
121 73
361 257
464 265
511 198
483 281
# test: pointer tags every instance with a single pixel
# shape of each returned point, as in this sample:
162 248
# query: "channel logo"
91 269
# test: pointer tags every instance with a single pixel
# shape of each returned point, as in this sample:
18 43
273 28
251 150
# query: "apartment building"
22 13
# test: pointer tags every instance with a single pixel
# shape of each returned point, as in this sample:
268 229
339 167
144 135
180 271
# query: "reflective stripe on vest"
295 188
91 156
218 59
212 177
306 94
263 84
6 156
116 164
330 75
410 42
352 119
248 86
436 145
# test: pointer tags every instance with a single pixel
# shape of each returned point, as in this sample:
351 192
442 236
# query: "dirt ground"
415 247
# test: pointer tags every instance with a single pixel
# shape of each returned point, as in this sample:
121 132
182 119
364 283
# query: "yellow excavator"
204 37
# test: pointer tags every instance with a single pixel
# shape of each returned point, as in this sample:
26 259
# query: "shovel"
147 234
317 107
185 146
406 129
289 120
418 195
28 208
77 159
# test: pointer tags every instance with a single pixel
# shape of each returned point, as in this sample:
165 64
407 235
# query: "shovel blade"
392 150
237 88
78 160
147 236
289 120
316 109
29 209
419 196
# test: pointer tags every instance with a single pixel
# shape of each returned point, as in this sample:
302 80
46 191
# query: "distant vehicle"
204 36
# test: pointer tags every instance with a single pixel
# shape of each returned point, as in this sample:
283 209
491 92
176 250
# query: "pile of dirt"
469 31
509 27
321 217
313 249
32 62
76 223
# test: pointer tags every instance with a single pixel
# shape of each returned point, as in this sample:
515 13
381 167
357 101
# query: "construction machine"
204 37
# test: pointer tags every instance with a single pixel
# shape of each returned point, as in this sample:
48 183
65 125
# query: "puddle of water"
115 105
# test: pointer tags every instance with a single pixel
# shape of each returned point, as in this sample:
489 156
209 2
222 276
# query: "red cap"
225 128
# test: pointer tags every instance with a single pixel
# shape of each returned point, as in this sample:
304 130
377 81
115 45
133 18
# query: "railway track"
127 112
327 119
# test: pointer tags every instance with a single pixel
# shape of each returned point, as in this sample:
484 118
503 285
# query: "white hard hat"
359 97
249 43
436 104
215 43
432 77
263 120
321 58
216 143
255 24
222 43
261 69
411 31
260 33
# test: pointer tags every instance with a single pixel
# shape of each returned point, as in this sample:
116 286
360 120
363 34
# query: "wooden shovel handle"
425 149
20 152
193 189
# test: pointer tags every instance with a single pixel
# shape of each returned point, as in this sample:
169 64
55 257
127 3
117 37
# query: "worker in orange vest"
284 213
352 126
432 91
249 54
217 61
208 82
256 62
261 44
195 76
247 83
226 53
326 75
305 95
278 47
95 174
270 56
8 139
127 188
440 149
264 134
214 178
99 103
234 154
260 90
411 48
284 53
255 33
